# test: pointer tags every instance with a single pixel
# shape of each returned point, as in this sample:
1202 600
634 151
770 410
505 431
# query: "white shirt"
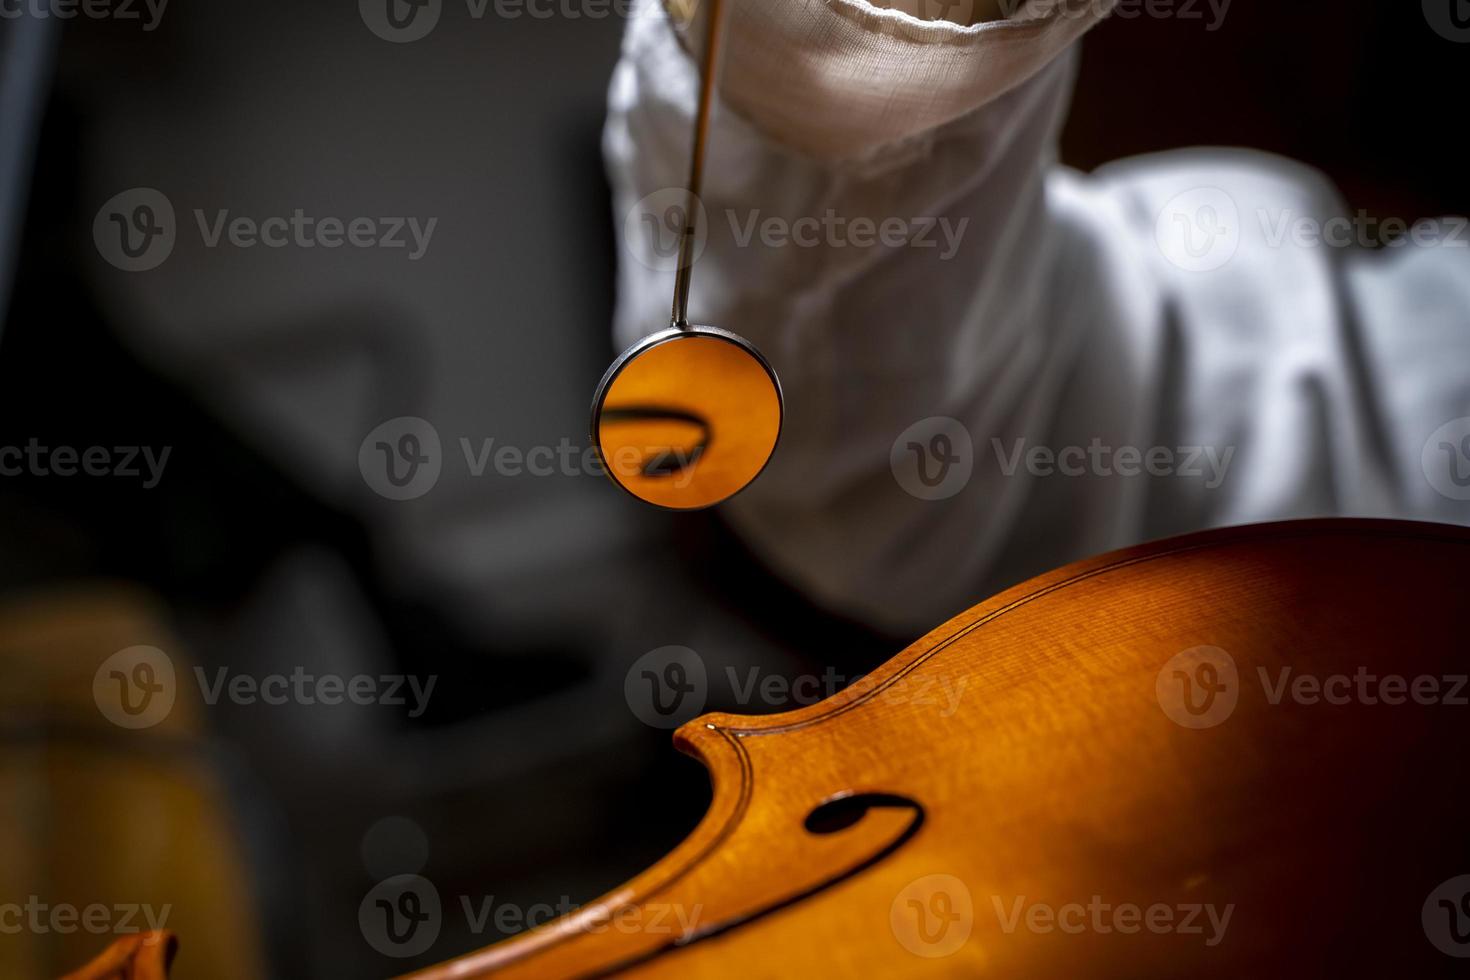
1171 343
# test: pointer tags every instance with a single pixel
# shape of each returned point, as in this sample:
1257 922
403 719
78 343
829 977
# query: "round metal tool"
689 416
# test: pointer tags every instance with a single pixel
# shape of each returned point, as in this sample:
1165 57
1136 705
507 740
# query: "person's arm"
1039 366
841 125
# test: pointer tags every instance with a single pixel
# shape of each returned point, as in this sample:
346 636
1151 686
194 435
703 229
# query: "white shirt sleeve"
994 365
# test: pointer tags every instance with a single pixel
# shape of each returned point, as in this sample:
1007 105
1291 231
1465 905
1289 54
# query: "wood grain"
1038 731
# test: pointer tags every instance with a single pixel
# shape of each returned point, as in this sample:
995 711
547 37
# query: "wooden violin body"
1237 753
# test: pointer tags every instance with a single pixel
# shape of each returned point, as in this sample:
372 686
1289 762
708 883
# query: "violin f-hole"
833 815
846 809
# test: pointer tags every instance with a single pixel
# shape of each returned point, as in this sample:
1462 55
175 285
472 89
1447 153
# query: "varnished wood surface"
142 956
1037 732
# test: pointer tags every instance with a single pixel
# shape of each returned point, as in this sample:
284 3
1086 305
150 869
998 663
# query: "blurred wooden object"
132 824
142 957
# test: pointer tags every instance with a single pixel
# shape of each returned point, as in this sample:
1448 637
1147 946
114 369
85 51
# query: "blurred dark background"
263 548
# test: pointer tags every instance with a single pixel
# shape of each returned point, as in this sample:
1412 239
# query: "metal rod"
708 74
